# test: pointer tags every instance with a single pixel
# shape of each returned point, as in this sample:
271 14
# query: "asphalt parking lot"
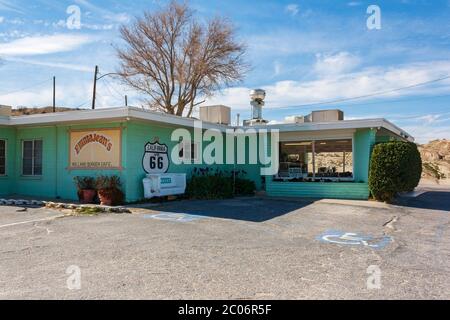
235 249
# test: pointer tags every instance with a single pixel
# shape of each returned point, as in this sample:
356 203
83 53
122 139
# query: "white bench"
165 184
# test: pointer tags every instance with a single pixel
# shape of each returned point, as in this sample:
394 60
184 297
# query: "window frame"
6 158
314 140
32 157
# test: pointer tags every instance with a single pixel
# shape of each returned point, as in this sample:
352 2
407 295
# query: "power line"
421 115
382 102
400 100
374 94
26 88
111 88
81 105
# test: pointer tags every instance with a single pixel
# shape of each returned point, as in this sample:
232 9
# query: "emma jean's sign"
95 149
156 158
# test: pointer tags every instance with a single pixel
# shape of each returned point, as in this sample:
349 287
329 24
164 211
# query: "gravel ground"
234 249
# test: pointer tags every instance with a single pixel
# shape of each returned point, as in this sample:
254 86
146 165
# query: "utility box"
326 115
216 114
164 184
294 119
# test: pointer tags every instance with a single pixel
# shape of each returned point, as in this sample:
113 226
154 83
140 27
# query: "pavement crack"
391 223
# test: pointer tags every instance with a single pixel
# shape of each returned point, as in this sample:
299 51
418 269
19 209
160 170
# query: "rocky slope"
436 161
22 111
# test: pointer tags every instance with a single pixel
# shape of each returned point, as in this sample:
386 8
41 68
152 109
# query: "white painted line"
29 221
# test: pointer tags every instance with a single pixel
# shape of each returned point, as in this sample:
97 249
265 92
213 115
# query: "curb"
61 205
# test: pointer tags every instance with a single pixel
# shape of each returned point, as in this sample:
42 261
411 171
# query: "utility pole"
54 94
95 87
126 101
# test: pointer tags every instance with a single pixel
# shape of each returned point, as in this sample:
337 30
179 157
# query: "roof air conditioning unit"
216 114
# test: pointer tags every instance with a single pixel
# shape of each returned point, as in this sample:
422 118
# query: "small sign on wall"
95 149
156 158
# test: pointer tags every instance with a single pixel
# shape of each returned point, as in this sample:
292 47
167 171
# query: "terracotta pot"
106 197
80 195
88 196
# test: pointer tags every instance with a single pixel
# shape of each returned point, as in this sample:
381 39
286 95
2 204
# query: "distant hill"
24 111
436 161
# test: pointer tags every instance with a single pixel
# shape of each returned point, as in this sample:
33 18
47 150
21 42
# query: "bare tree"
174 59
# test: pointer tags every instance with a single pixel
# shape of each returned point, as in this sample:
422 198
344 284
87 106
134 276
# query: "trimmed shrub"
209 187
244 187
216 184
395 167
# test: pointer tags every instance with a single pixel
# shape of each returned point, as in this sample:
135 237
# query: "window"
316 160
188 151
296 159
334 159
2 157
32 157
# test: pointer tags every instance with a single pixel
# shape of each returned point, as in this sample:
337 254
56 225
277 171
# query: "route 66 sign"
156 158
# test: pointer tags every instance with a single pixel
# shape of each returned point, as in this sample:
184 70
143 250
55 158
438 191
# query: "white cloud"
9 6
106 14
292 9
335 64
59 65
2 19
72 94
280 43
96 27
425 127
354 3
344 86
38 45
424 133
16 21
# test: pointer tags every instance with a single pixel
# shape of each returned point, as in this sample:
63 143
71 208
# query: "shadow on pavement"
433 200
246 209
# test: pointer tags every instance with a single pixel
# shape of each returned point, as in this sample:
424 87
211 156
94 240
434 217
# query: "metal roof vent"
257 97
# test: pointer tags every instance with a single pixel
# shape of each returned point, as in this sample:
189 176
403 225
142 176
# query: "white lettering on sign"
156 158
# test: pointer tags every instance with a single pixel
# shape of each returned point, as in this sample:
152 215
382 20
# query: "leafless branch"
173 59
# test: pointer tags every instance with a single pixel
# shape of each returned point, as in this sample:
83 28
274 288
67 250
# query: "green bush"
395 167
244 187
84 183
217 184
209 187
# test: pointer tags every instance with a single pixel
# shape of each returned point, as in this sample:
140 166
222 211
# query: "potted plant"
108 189
85 189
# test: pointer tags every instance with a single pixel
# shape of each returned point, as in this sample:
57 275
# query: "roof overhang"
343 124
129 113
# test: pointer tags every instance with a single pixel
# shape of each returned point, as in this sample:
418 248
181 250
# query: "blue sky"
301 52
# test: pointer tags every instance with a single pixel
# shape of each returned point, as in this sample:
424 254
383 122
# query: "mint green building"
41 154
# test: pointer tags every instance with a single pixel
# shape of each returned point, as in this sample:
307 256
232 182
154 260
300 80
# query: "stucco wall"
7 181
57 179
363 142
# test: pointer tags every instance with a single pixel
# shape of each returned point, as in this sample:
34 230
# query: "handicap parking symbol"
177 217
354 239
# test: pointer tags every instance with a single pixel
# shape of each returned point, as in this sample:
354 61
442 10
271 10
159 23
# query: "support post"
54 94
95 87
